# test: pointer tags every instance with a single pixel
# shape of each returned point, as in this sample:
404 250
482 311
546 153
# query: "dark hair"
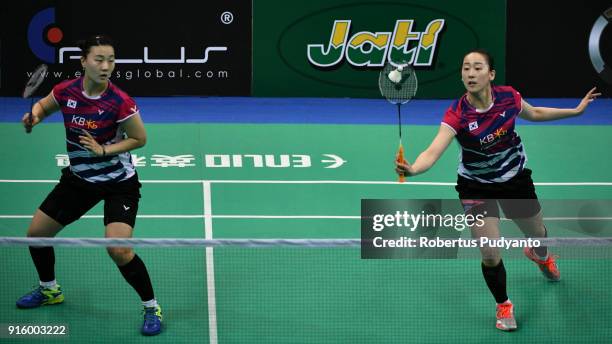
484 53
93 41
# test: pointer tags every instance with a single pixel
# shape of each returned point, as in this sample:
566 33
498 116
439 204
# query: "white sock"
507 301
49 285
150 303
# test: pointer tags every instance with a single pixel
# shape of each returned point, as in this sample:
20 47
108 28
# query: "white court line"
210 266
366 182
28 181
102 216
286 217
208 218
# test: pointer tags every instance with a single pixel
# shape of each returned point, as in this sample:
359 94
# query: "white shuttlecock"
395 76
400 68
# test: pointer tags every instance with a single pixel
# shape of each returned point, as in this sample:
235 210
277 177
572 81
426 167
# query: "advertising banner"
188 48
336 49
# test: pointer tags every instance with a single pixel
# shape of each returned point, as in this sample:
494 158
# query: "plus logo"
43 34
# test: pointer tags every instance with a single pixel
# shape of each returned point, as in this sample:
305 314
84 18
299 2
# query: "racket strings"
36 79
397 91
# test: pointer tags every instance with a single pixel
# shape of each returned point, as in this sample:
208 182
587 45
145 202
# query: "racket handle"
28 128
400 159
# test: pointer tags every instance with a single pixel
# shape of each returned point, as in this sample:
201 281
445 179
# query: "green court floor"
273 181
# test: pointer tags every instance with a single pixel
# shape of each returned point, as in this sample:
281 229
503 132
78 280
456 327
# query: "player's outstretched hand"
590 96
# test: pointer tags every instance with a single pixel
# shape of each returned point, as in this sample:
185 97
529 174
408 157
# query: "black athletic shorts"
73 197
516 197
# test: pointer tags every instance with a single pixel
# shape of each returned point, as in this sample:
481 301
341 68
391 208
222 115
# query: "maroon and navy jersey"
491 150
101 117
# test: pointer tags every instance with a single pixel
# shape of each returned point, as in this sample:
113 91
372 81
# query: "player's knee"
43 225
491 261
120 255
532 227
41 232
35 232
490 257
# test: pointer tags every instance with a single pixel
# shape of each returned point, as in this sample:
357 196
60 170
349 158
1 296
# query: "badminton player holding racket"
492 167
102 125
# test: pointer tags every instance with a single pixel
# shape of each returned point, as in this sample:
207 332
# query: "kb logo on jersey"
492 137
83 122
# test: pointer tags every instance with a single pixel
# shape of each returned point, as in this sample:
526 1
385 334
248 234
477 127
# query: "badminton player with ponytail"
102 126
492 172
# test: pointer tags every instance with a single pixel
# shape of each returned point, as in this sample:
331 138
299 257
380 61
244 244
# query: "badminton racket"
36 79
398 84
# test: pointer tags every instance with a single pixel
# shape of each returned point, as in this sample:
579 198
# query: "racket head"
36 79
398 92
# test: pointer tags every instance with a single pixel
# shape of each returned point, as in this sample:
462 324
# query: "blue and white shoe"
41 296
152 321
